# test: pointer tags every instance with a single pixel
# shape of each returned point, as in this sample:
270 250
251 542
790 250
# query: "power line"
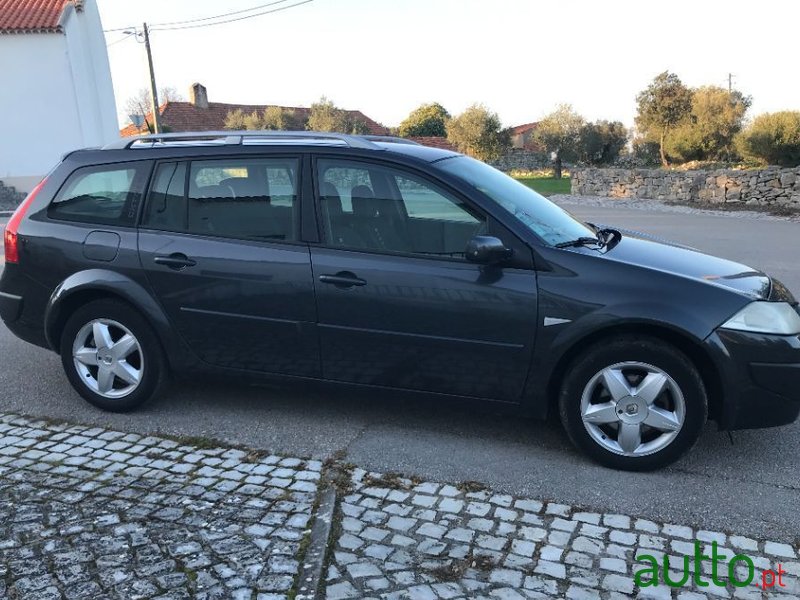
235 12
117 29
122 39
266 12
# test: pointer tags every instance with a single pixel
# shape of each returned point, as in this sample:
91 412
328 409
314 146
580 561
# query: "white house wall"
56 96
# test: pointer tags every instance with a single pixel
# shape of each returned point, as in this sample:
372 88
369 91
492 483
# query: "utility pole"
153 88
730 83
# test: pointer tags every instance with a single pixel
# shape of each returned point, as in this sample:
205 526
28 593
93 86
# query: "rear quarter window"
107 194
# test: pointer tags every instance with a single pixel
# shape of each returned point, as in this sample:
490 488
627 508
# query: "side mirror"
487 250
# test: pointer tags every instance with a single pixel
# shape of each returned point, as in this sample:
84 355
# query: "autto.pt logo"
737 570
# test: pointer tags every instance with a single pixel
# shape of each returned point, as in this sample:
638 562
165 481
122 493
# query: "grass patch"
547 186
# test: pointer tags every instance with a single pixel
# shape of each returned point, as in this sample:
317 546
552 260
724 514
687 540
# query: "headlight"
766 317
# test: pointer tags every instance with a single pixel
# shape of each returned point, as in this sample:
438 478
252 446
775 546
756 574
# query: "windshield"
551 223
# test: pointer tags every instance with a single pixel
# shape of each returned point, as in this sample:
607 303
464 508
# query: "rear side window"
246 198
107 194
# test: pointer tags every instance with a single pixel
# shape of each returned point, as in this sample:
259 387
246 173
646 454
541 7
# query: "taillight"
10 238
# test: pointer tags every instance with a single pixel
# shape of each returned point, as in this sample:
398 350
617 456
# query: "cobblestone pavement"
425 541
91 513
87 513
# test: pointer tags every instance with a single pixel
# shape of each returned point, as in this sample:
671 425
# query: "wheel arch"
685 343
94 284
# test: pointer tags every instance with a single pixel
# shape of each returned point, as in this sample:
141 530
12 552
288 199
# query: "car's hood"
687 262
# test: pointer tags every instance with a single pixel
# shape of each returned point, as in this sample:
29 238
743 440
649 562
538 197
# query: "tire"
117 376
629 383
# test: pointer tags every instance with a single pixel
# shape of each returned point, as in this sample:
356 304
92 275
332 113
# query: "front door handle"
176 261
343 279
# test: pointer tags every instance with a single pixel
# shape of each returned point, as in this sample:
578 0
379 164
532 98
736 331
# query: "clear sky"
519 57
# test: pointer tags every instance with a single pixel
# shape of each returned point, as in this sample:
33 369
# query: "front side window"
548 221
380 208
108 194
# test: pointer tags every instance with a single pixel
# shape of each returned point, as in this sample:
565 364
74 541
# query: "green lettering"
698 569
714 558
683 581
638 578
732 571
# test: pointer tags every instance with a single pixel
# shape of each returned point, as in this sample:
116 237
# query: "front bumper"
760 378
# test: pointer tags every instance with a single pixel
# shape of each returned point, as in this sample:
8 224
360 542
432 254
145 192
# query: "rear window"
107 194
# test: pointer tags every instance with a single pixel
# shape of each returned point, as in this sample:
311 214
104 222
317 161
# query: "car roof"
315 139
426 153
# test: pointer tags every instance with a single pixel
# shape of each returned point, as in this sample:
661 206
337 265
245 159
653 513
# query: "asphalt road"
752 485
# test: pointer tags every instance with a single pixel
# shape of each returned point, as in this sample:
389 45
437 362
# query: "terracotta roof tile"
185 116
33 16
524 128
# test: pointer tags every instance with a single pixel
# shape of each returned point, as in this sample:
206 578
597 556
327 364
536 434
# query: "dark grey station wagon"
378 262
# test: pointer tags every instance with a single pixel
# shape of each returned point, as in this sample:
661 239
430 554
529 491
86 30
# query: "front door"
219 244
398 304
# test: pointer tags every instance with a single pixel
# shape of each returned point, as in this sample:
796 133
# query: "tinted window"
384 209
244 198
166 203
109 194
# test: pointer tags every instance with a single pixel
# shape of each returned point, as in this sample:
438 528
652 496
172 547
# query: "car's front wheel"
633 403
111 355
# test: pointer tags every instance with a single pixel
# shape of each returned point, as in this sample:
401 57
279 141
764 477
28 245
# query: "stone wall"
9 197
522 160
772 185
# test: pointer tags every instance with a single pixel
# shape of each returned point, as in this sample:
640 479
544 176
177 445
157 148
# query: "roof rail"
236 138
391 139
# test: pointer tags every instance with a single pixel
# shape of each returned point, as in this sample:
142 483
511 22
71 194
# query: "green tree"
478 132
717 116
324 115
773 138
559 133
662 106
602 141
272 118
426 120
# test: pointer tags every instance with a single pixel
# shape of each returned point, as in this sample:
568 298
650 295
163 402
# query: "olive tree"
662 106
772 138
559 133
478 132
425 120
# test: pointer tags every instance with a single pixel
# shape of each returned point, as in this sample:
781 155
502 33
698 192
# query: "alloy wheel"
633 408
108 358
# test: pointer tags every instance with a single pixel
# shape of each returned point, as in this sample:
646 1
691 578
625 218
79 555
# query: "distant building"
57 93
201 115
522 137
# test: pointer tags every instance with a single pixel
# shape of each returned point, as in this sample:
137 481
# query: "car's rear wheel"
633 403
111 355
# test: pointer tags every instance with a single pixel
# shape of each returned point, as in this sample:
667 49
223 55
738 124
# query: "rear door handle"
176 261
343 279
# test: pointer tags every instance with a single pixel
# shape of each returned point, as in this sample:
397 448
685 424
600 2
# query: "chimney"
198 95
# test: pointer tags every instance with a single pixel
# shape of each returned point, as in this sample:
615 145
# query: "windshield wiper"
581 241
606 237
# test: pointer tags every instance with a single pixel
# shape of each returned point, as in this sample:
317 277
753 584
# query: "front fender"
103 282
559 343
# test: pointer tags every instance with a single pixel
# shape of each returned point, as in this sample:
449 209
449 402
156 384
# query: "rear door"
219 242
398 304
